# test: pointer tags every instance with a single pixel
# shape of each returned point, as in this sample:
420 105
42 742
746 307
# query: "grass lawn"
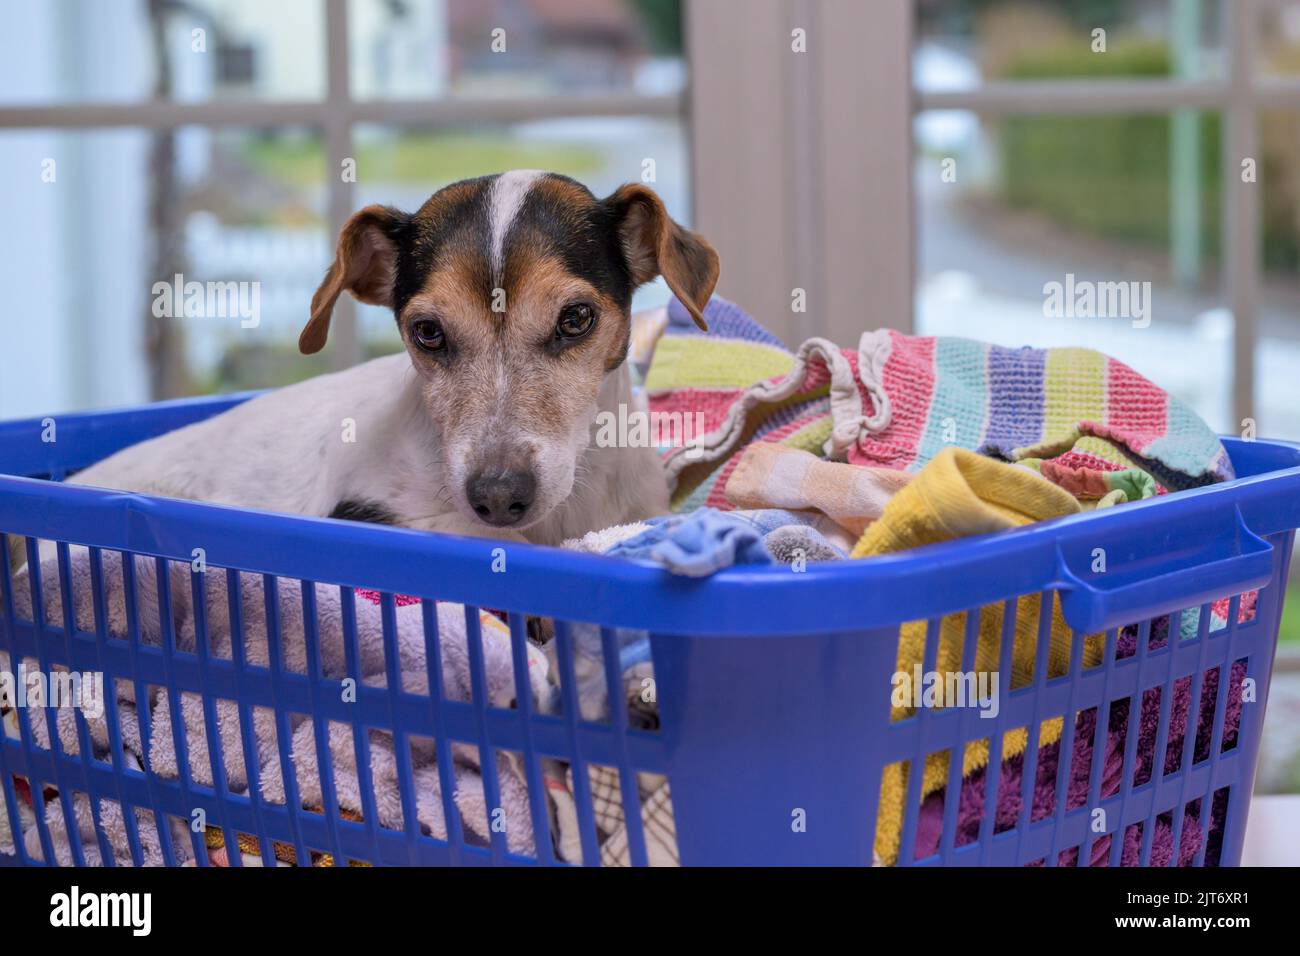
418 157
1290 628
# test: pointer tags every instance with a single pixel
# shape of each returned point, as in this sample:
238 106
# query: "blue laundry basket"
773 687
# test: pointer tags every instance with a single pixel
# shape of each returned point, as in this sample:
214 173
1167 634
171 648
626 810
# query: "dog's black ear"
364 264
656 245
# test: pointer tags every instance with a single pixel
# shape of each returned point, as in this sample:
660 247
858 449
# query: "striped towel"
897 400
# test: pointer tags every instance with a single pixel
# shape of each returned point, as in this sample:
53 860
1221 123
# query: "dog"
512 294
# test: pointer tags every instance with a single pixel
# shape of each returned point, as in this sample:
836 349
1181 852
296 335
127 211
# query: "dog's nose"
503 498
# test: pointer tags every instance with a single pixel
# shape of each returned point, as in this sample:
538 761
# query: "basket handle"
1159 577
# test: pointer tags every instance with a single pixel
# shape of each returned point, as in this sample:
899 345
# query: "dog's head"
513 297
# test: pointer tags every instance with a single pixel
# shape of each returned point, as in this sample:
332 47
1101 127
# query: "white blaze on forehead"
508 192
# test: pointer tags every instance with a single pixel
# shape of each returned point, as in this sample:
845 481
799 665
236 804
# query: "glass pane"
257 214
78 51
1278 352
961 43
1025 220
1279 37
408 49
73 334
403 167
114 217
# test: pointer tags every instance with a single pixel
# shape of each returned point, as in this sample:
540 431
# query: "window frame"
1239 97
774 125
336 115
808 192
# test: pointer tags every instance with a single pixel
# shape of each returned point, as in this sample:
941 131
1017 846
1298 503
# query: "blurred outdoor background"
251 202
140 139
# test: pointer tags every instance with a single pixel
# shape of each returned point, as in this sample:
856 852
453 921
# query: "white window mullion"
342 193
268 113
1241 203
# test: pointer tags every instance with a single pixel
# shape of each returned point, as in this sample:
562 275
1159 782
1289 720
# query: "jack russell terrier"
513 295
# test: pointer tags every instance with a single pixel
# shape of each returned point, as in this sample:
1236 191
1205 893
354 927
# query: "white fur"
508 193
285 451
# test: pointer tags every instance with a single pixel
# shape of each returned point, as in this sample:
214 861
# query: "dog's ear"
364 264
655 245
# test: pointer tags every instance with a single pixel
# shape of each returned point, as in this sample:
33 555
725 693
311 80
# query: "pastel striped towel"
769 475
897 400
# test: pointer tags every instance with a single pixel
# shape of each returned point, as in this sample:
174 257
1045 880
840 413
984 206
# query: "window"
226 142
1106 141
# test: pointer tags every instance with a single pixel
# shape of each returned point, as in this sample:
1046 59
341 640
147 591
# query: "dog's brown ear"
656 245
364 264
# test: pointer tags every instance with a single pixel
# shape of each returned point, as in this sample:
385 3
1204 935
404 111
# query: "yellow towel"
960 493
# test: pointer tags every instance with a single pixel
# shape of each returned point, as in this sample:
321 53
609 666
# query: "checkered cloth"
606 794
656 817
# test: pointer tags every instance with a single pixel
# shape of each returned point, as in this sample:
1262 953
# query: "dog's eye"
428 335
575 321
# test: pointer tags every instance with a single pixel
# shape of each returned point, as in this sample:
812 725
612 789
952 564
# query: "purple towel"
971 809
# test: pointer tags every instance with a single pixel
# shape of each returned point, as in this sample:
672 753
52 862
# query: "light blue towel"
697 544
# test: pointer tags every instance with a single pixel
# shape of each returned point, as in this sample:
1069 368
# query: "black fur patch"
584 237
369 511
438 226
